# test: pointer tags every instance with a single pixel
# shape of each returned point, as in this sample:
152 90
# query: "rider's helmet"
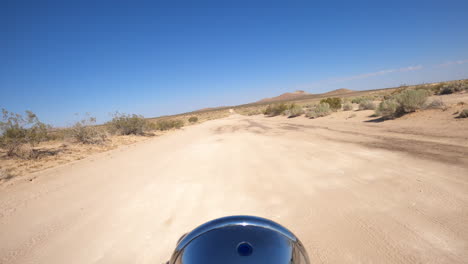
240 239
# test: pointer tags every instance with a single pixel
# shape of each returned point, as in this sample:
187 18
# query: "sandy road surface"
350 201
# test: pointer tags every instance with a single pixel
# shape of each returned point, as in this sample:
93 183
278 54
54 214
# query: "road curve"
348 202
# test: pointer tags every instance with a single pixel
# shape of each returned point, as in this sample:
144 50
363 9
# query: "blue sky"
155 58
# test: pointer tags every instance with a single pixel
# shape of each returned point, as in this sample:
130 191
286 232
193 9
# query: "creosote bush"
436 104
124 124
86 132
411 100
293 111
17 131
334 103
452 87
322 109
405 102
463 114
347 106
387 109
358 100
167 124
366 105
275 110
193 119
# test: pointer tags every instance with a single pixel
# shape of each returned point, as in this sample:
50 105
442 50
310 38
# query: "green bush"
463 114
411 100
387 109
167 124
124 124
193 119
366 105
274 110
294 110
322 109
334 103
16 131
347 106
86 132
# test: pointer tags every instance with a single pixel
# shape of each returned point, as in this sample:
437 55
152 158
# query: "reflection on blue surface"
240 239
244 249
220 246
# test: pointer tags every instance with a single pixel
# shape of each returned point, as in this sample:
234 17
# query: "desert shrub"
358 100
193 119
411 100
347 106
167 124
274 110
452 87
6 174
17 131
256 111
127 124
387 109
322 109
436 104
334 103
294 110
366 105
86 132
463 114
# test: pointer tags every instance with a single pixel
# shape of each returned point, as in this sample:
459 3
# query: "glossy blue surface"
240 239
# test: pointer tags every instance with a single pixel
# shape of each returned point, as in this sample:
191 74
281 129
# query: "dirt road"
351 197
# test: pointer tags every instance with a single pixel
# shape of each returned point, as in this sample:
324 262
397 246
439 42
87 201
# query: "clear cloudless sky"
58 58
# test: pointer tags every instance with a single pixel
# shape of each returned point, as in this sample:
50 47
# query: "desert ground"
354 189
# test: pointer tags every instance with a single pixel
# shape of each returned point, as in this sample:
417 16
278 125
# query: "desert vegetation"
366 105
86 132
275 110
463 113
334 103
347 106
23 137
193 119
294 110
20 133
124 124
289 110
322 109
452 87
167 124
402 103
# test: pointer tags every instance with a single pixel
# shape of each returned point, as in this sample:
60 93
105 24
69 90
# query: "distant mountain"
285 97
338 92
297 95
